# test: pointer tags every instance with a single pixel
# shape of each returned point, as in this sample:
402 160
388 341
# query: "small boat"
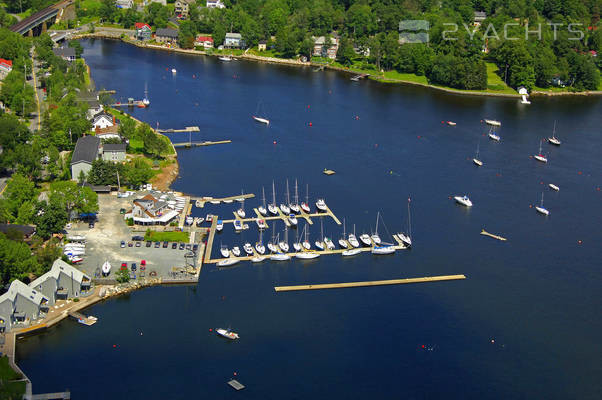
305 205
261 223
451 123
476 159
280 257
259 247
386 249
199 221
307 255
464 200
272 208
241 211
106 268
375 238
294 206
554 187
406 238
236 251
284 206
189 220
554 140
262 209
285 209
306 245
220 225
262 120
342 242
321 205
227 333
214 201
257 259
493 122
351 252
365 239
75 259
355 78
228 201
225 58
329 244
320 243
540 157
209 218
225 252
237 225
493 136
227 262
248 248
292 219
297 246
283 245
272 247
540 209
352 239
173 71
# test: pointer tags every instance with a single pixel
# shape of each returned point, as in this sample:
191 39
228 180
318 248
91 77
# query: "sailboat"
382 247
284 244
284 206
320 243
365 239
260 119
321 204
493 122
241 211
225 58
236 251
259 247
297 244
145 100
106 268
294 206
307 255
272 244
248 248
224 250
540 157
328 243
375 238
272 206
352 239
554 140
305 205
306 244
262 210
492 135
406 238
540 209
476 158
342 242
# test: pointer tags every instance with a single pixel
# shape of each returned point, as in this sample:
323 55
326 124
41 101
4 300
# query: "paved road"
36 121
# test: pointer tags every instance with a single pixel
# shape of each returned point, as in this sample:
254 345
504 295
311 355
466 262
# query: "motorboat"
365 239
406 237
305 205
173 71
227 333
236 251
228 262
351 252
189 220
262 120
307 255
540 209
228 201
262 209
464 200
106 268
215 201
248 248
294 206
292 219
539 156
493 136
352 239
257 259
554 140
75 259
321 205
280 257
199 221
225 252
225 58
261 223
451 123
237 225
386 249
554 187
493 122
220 225
209 218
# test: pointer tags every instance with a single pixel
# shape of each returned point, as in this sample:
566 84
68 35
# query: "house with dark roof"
66 53
21 304
166 35
87 149
102 120
62 282
26 230
114 152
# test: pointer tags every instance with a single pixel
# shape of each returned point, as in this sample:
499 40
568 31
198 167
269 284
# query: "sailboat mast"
409 219
377 216
288 199
296 193
273 194
307 194
263 196
321 229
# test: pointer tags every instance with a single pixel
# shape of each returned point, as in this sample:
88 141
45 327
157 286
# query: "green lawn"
136 146
406 77
495 82
167 236
10 390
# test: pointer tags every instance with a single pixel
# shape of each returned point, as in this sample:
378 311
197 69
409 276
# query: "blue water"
525 324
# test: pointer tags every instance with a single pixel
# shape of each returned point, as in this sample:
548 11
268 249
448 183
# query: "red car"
124 266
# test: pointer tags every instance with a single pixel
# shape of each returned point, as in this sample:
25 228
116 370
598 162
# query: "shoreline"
298 63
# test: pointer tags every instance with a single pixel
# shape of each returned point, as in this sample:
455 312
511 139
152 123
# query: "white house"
215 4
151 211
102 121
124 3
204 41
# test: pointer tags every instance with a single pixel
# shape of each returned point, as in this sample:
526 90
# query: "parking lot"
103 243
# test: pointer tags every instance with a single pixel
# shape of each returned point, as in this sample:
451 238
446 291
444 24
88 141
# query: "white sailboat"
241 211
273 243
248 248
259 247
476 159
294 206
320 243
329 244
321 205
257 118
342 242
305 206
224 250
351 252
383 249
352 239
307 255
464 200
228 262
306 244
280 257
145 100
540 209
272 208
284 206
375 238
106 268
262 209
554 140
284 243
297 244
406 237
227 333
540 157
493 122
554 187
493 136
365 239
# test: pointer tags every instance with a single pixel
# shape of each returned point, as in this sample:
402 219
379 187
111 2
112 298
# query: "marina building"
62 282
152 211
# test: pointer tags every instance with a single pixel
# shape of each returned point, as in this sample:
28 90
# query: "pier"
187 129
82 319
491 235
369 283
188 145
130 103
236 384
200 201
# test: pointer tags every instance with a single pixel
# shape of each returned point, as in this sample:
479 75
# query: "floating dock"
200 144
236 384
328 172
200 201
82 319
491 235
187 129
369 283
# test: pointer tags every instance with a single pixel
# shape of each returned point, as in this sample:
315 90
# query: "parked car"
195 247
143 262
91 225
188 246
133 266
149 243
174 245
130 244
137 238
182 246
124 265
122 244
138 244
165 244
157 245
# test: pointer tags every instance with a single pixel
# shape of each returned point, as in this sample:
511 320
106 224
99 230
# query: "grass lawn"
10 390
136 146
495 82
167 236
406 77
267 53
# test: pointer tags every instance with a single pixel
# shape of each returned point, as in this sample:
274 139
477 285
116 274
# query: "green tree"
345 53
53 217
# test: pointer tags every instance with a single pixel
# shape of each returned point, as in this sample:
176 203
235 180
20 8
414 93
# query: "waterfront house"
86 151
479 17
321 49
262 45
114 152
66 53
143 31
102 121
125 4
204 41
182 7
62 282
21 304
151 211
26 230
110 132
94 108
166 35
233 40
5 67
215 4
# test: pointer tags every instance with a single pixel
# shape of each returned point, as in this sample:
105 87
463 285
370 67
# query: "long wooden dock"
210 240
491 235
369 283
200 144
187 129
200 201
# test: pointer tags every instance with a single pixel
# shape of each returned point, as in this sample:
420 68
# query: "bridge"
36 24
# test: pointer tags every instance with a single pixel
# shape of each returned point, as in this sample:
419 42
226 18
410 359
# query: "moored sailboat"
540 209
262 209
406 237
540 157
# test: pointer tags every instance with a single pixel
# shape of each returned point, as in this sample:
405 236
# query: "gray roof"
19 288
26 230
114 147
61 267
233 35
64 52
480 14
86 149
167 32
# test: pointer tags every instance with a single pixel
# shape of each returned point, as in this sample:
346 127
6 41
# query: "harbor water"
525 323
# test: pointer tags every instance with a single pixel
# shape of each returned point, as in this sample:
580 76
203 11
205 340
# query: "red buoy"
310 124
274 142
